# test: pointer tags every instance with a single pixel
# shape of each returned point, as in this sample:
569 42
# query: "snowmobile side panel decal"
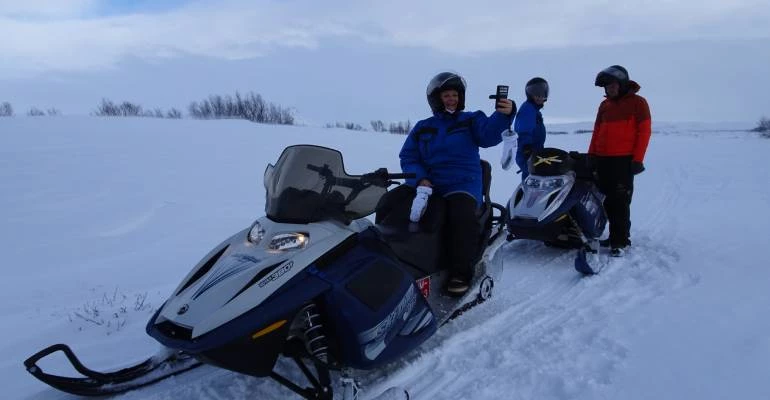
276 274
240 263
294 294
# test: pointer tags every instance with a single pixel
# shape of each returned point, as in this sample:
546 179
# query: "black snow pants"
463 232
616 182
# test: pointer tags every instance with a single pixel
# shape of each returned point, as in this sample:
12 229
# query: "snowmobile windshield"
309 184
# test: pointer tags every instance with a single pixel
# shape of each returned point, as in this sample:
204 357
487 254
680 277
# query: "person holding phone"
443 152
529 125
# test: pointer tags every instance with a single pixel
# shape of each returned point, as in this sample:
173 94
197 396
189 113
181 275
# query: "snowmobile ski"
158 367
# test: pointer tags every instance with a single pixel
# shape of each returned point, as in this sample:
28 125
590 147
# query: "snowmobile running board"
154 369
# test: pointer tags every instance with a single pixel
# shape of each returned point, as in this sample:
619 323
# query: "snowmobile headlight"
532 182
554 183
256 233
288 241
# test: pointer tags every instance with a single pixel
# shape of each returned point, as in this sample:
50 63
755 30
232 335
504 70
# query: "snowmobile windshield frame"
309 184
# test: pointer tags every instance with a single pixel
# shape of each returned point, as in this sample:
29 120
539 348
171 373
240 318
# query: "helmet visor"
538 89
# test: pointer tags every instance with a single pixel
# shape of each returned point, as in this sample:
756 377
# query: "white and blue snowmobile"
559 204
313 281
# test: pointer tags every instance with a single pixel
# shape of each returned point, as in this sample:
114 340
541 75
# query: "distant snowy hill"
102 217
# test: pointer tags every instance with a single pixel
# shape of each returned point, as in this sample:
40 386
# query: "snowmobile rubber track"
96 383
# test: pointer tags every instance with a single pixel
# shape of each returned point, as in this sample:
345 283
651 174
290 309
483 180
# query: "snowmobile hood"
539 196
239 275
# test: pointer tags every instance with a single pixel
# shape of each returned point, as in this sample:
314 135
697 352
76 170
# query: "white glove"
509 149
420 203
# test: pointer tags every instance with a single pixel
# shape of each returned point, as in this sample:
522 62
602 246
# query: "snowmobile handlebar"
383 175
380 177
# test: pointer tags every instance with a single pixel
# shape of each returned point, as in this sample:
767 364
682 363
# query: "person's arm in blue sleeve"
487 132
525 123
411 161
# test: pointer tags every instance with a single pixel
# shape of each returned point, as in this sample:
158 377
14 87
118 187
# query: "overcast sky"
356 60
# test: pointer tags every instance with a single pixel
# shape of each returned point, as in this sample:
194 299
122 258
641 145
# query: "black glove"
637 167
527 150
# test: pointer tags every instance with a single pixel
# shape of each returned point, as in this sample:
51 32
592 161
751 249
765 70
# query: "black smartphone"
500 93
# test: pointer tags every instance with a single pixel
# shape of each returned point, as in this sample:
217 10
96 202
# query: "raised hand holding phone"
502 104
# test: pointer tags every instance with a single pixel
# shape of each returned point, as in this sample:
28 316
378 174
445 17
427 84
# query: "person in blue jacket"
443 152
529 124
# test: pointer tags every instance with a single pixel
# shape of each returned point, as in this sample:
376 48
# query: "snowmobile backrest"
581 165
550 162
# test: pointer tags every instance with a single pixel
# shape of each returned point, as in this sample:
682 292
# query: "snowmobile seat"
582 167
420 245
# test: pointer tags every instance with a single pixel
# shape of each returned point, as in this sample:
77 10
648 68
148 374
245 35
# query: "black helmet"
536 87
441 82
610 74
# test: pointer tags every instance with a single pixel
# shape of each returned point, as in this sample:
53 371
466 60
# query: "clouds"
44 35
46 8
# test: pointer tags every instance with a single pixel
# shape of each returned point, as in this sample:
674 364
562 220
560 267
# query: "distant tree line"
6 110
36 112
345 125
399 128
763 127
108 108
251 107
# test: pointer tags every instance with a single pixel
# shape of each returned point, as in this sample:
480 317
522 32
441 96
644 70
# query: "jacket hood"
633 87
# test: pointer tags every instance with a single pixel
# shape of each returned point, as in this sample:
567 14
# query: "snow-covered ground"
100 219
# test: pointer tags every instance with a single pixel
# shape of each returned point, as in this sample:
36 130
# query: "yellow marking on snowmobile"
561 218
547 160
269 329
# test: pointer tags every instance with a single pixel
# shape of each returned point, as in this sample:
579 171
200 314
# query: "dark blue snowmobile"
559 204
313 281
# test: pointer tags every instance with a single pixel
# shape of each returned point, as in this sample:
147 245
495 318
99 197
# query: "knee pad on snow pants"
463 231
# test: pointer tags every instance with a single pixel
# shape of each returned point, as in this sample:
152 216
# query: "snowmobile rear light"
256 233
288 241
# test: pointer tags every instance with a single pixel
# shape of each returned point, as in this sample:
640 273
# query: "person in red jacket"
618 144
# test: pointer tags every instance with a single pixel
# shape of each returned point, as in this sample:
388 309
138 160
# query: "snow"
102 217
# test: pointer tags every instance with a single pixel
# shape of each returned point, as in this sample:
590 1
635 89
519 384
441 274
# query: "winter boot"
606 242
617 252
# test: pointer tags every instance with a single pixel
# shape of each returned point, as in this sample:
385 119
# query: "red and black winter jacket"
622 126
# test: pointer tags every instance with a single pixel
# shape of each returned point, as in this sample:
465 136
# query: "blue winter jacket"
530 130
445 149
